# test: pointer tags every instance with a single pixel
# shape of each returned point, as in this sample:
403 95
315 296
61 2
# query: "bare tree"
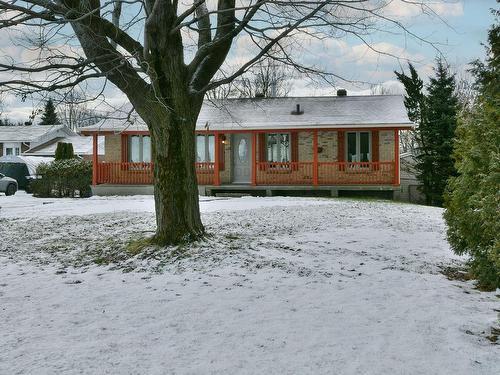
267 79
166 57
465 91
73 109
380 89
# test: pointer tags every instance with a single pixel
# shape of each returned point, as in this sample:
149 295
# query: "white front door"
242 156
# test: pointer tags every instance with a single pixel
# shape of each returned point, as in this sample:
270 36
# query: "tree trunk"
175 186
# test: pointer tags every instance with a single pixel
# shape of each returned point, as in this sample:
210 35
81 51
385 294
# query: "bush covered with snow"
63 178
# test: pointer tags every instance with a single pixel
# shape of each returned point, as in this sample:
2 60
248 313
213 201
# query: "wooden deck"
267 174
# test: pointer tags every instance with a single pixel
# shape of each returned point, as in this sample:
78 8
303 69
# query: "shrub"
64 151
63 178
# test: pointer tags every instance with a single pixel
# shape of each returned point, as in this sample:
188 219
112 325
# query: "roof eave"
401 126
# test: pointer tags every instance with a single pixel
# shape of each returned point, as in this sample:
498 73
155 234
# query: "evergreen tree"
435 164
473 199
415 104
64 151
436 116
414 98
49 116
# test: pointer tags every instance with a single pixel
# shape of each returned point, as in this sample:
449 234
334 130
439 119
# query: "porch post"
254 158
396 156
95 159
315 157
217 159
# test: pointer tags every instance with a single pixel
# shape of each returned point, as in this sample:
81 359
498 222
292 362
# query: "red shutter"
375 145
340 146
262 150
222 153
124 151
295 150
375 149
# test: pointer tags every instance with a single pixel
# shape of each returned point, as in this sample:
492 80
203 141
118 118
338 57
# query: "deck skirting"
265 190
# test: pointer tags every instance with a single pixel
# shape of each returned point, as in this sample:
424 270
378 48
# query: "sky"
455 30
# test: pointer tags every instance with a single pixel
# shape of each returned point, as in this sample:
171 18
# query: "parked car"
7 185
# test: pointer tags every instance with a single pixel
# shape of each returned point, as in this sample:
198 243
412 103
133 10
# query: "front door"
242 156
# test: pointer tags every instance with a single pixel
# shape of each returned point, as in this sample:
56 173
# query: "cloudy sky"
455 29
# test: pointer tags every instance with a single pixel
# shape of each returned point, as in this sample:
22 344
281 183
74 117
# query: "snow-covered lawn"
283 286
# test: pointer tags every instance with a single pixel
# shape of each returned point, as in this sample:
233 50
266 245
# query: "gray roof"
29 133
81 146
276 113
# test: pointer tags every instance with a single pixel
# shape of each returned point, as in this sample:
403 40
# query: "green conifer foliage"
435 162
473 198
435 114
49 116
64 151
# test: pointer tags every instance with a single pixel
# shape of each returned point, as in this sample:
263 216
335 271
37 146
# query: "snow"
282 286
32 162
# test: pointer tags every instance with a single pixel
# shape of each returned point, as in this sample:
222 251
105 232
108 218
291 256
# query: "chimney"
341 92
298 110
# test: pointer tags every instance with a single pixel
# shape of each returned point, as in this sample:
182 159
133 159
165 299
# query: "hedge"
63 178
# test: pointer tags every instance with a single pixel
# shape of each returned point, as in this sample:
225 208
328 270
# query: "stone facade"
386 145
113 148
305 140
327 144
225 175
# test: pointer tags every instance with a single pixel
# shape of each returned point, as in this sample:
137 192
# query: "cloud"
378 53
412 8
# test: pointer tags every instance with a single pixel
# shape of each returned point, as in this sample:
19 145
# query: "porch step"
232 194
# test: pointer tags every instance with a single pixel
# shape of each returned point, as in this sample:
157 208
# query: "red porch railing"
125 173
142 173
358 173
266 173
328 173
293 173
205 173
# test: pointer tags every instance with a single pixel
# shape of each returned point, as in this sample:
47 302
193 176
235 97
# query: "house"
410 185
82 147
269 145
15 140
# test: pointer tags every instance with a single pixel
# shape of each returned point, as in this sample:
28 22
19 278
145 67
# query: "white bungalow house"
309 144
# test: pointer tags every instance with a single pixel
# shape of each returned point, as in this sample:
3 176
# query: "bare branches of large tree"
164 55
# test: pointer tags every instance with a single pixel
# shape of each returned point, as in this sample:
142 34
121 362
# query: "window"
205 148
278 147
12 151
358 147
139 149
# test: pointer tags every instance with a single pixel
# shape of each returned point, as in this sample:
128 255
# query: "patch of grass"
138 245
493 338
456 273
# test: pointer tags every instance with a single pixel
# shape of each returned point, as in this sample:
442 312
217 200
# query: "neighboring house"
14 140
82 146
409 183
322 144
